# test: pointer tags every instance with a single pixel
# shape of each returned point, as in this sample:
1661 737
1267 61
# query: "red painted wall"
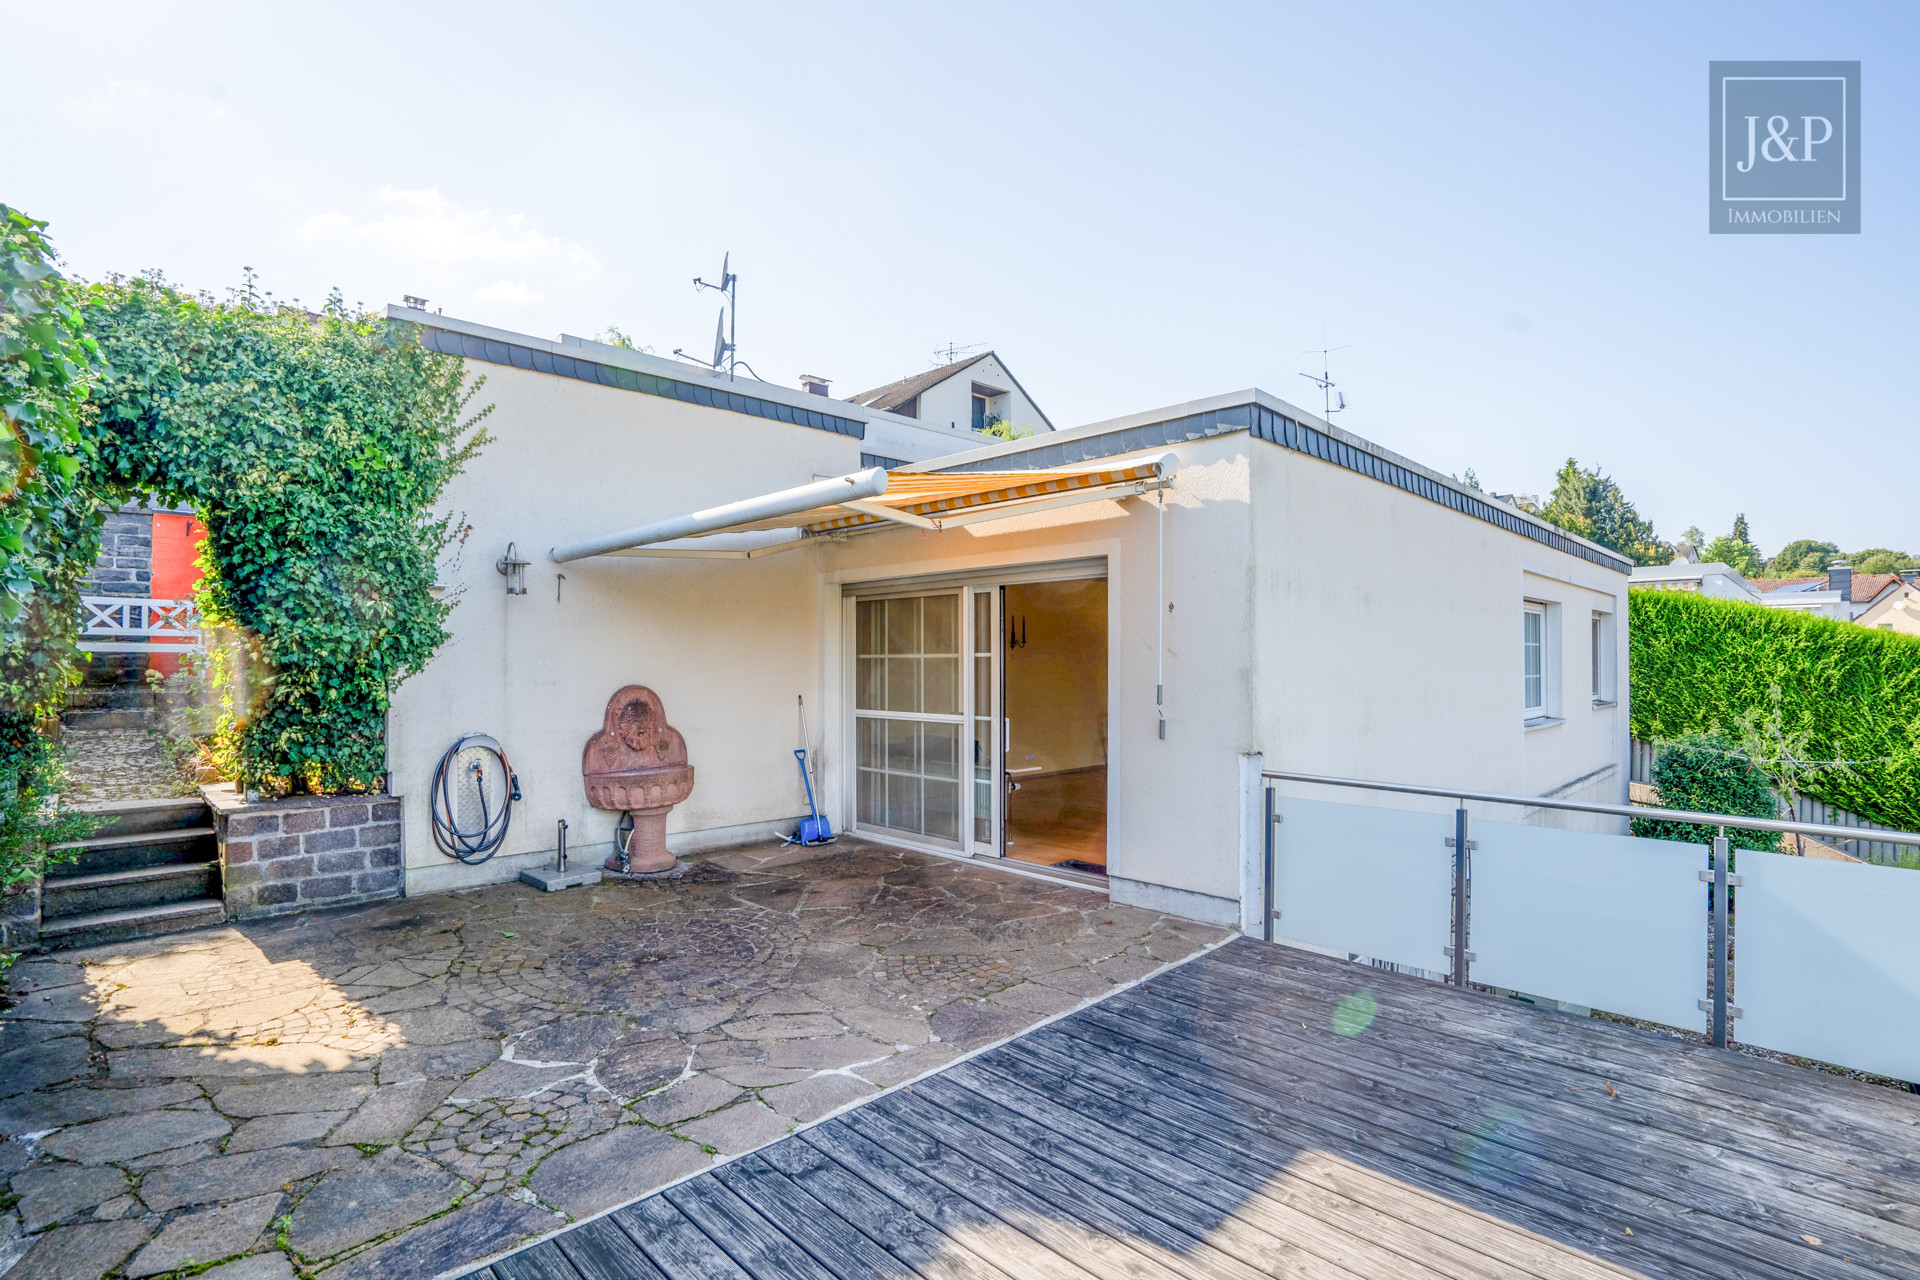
176 545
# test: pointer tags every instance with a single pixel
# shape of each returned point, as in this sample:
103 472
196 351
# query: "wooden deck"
1231 1118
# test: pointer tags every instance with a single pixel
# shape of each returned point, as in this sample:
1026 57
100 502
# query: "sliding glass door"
908 715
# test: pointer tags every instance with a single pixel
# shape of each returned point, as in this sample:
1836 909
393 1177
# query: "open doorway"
1054 699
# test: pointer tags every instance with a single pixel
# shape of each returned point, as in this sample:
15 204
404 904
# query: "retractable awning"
875 499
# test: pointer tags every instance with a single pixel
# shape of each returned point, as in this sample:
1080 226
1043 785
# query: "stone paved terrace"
402 1089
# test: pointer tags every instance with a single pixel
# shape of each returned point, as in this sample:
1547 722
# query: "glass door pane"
986 746
907 715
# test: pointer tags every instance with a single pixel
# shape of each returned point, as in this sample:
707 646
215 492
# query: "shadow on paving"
1263 1111
396 1090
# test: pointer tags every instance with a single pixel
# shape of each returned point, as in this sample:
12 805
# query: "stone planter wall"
304 852
20 918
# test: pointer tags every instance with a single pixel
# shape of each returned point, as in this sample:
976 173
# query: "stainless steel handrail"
1615 810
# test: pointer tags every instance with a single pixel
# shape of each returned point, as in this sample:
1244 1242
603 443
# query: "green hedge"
1700 665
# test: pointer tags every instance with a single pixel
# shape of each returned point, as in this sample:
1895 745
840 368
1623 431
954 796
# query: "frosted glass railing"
1827 961
1824 956
1369 881
1610 922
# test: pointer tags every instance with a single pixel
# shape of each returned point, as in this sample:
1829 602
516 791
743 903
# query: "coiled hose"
465 764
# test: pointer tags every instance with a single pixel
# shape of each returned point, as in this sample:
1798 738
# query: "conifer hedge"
1700 665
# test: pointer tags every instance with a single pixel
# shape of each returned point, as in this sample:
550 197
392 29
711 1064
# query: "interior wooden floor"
1060 818
1253 1113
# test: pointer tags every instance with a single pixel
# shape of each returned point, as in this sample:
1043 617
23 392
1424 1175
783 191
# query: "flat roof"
1278 422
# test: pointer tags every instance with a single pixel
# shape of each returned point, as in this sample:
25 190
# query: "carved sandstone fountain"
638 762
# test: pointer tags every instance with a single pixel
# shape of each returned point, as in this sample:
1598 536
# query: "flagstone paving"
393 1091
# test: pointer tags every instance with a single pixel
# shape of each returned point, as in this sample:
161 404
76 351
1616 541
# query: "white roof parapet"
870 483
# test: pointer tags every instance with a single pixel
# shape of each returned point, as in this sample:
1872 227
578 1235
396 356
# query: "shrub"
1708 773
1845 693
315 449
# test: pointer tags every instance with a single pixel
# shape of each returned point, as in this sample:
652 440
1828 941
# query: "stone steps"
122 923
151 867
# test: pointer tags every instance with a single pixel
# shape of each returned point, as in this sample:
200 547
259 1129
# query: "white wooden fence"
138 624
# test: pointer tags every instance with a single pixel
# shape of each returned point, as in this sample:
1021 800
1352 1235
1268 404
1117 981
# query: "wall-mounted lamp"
514 570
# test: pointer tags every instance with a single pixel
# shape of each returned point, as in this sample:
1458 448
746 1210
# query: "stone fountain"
638 762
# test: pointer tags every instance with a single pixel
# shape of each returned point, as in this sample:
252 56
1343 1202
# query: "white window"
1534 660
1605 660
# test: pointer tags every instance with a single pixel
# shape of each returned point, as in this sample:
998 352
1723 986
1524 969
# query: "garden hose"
462 782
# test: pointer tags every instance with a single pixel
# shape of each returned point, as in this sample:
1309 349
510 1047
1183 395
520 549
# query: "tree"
1708 773
1736 549
1880 560
315 449
1802 557
51 511
1593 506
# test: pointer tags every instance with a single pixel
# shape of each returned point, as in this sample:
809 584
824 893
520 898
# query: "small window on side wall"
1533 639
1605 659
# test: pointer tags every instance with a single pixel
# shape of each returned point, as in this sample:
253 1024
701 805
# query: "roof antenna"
1332 400
726 333
951 353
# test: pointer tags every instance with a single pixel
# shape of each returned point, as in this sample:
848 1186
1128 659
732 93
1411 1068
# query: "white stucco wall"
1330 621
1391 644
727 645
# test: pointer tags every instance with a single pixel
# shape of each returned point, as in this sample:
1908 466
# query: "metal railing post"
1266 876
1460 849
1722 851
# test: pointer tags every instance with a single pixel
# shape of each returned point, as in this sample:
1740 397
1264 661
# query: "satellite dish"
725 258
720 339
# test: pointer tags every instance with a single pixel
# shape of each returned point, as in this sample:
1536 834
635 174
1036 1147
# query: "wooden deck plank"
1269 1237
1228 1183
600 1250
1190 1127
1345 1191
836 1243
1490 1051
1507 1135
923 1246
1692 1172
1099 1230
1002 1243
1826 1108
1559 1203
544 1261
675 1244
760 1249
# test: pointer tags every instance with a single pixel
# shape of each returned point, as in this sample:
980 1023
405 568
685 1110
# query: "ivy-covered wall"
1846 693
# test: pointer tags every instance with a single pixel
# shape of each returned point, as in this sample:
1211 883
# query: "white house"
1054 653
974 393
1714 579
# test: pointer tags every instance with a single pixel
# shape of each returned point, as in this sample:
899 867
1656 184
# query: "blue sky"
1497 210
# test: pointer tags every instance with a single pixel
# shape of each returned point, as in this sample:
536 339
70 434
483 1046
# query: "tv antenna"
951 353
1332 400
727 331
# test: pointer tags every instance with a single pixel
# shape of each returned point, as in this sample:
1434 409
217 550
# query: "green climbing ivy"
50 516
315 449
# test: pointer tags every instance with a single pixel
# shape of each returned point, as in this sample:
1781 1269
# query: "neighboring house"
973 393
1056 654
1839 594
1720 581
1893 606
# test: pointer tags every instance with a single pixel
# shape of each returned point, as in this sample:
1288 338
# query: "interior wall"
1056 689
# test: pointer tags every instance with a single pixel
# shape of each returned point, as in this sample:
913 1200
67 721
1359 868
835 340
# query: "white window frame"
1531 711
1605 659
